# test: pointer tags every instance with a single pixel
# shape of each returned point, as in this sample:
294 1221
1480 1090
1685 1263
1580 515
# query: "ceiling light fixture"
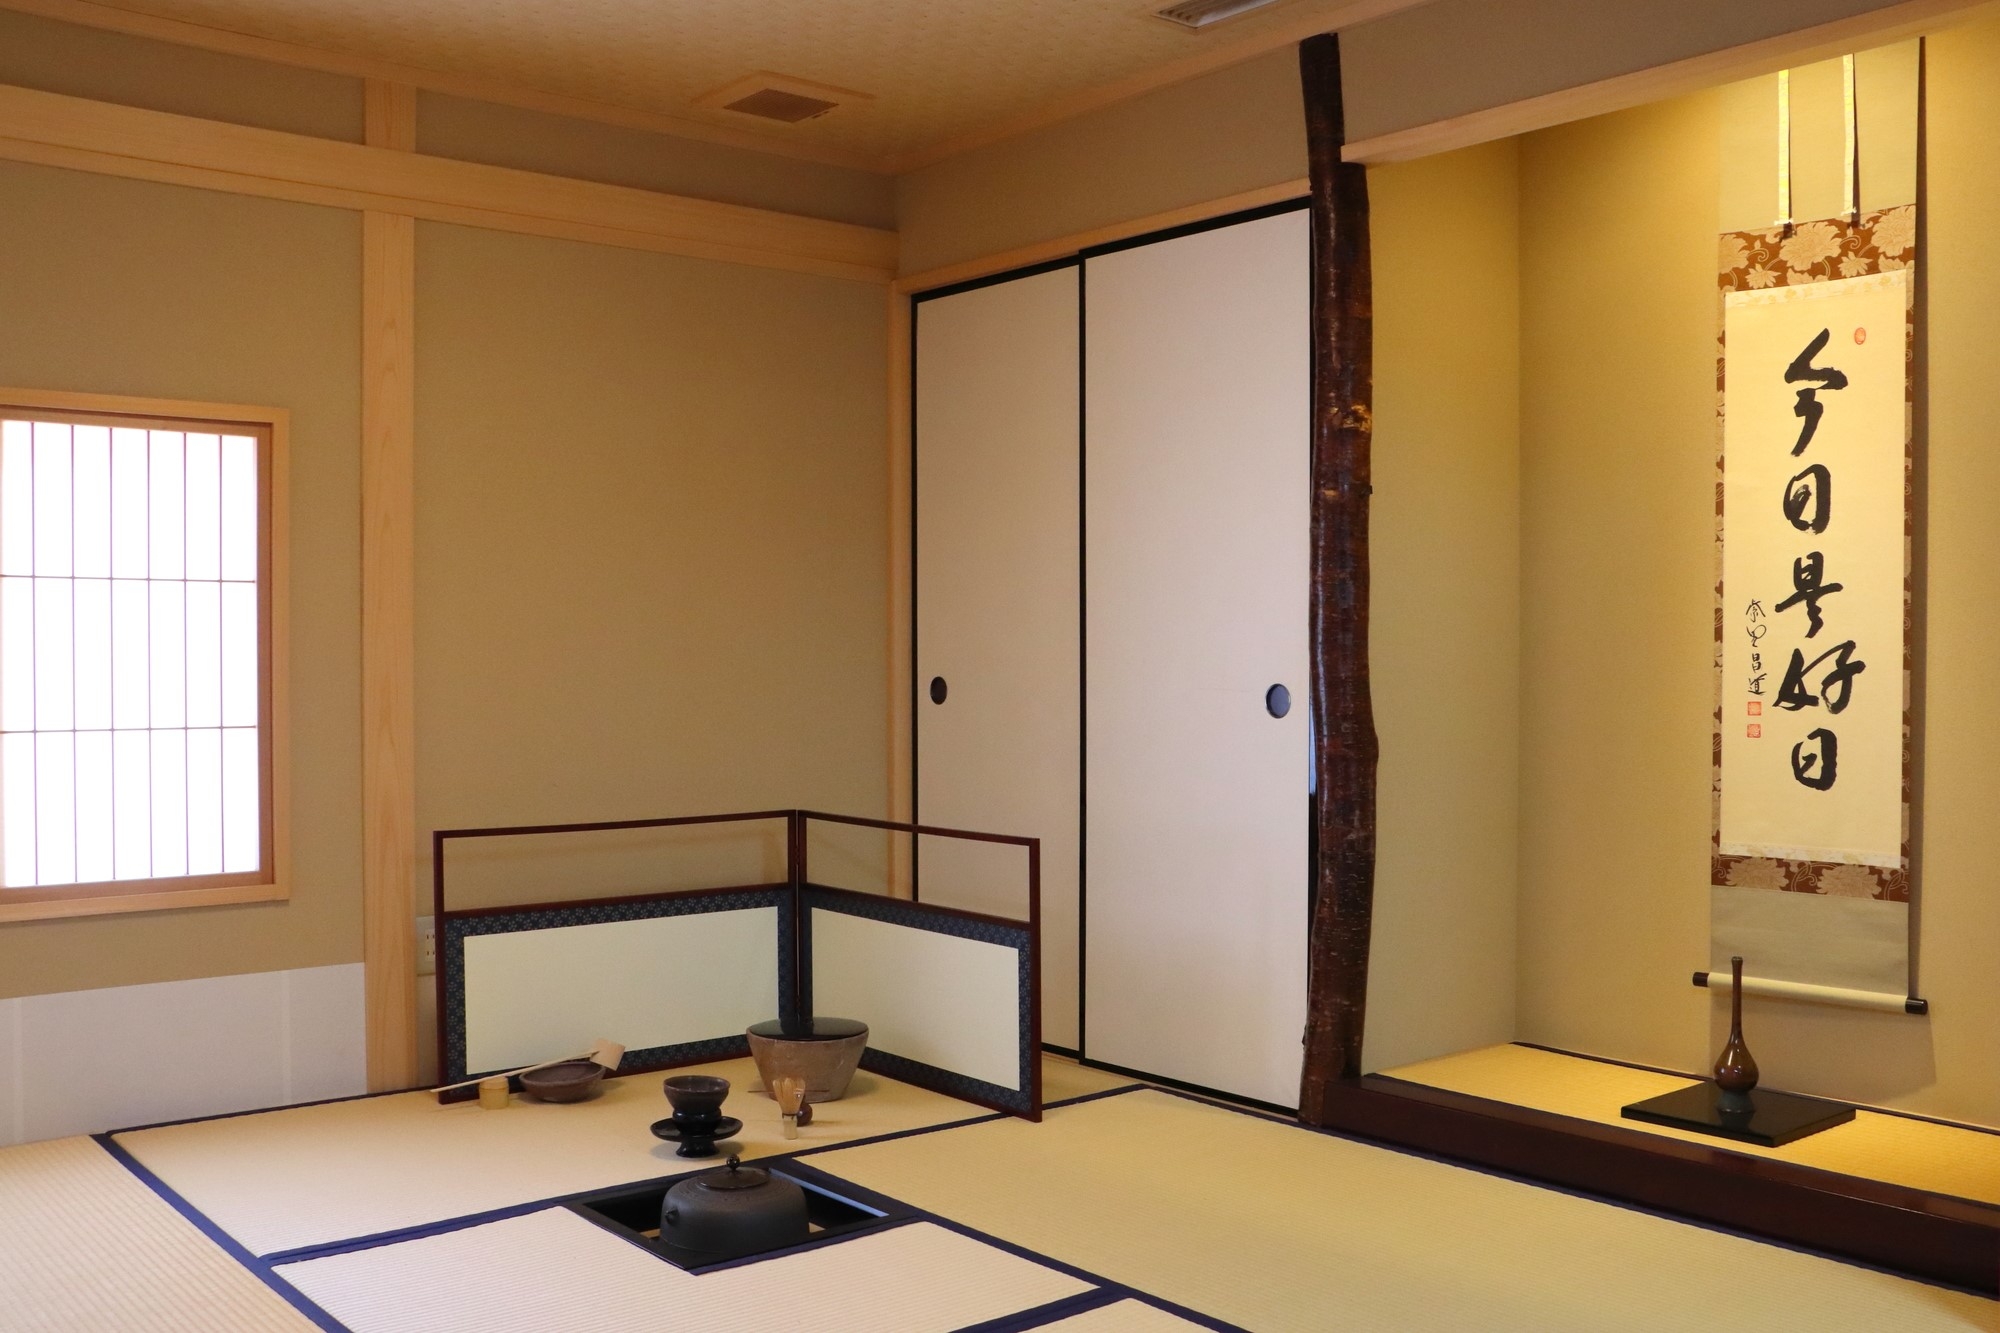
1194 15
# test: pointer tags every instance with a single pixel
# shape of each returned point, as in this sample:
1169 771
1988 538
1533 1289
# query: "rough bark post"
1344 746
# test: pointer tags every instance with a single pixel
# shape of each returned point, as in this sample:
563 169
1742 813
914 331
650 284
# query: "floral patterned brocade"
1824 251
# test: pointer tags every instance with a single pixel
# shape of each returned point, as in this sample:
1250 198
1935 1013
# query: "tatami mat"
1063 1079
86 1246
308 1175
1900 1151
554 1272
1273 1227
1124 1317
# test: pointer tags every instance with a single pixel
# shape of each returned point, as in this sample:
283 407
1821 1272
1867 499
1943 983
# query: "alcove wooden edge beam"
51 129
1876 27
1343 719
388 619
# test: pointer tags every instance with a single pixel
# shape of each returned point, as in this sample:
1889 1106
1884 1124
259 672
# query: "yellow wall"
124 287
1617 456
1445 602
650 538
1617 516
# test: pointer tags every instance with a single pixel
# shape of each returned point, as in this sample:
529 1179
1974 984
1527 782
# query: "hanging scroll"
1811 857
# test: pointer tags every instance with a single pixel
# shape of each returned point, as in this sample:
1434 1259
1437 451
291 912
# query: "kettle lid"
735 1176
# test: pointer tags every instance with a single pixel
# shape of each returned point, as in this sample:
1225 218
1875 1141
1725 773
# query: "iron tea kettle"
730 1212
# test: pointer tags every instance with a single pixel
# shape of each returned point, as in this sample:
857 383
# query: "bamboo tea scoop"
603 1052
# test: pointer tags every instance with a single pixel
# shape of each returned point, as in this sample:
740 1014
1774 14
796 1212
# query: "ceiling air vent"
1194 15
779 97
777 104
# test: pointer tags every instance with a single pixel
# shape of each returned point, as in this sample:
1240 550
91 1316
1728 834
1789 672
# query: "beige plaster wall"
1617 456
126 287
650 549
161 76
1237 129
563 146
1445 601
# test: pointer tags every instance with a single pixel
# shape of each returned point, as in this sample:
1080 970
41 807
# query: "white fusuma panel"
535 995
996 607
1197 366
939 999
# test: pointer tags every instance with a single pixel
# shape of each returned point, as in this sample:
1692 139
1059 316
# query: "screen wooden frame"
272 881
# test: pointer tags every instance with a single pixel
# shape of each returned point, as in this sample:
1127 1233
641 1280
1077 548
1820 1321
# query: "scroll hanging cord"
1851 178
1785 151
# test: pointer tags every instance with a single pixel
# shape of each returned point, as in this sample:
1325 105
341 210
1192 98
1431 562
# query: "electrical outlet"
427 946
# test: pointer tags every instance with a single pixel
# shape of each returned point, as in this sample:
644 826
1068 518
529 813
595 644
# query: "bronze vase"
1736 1068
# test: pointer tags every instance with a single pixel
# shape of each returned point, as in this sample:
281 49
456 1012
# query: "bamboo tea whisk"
791 1097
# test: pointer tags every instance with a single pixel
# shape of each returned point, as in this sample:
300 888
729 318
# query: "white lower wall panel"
13 1104
81 1062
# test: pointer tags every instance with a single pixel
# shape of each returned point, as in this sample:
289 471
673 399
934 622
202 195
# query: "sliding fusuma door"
1196 365
996 580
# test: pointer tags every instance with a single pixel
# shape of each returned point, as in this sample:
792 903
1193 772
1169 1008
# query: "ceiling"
943 74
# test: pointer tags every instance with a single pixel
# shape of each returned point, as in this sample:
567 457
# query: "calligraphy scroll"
1811 844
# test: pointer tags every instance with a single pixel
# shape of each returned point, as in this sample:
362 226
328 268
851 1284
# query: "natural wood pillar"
1344 746
388 626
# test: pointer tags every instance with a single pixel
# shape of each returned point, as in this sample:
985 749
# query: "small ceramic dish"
570 1081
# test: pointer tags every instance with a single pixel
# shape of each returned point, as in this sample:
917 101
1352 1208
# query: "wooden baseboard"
1933 1237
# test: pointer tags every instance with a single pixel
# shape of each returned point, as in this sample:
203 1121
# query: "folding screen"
677 976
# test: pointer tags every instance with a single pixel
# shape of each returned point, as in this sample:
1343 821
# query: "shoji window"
136 673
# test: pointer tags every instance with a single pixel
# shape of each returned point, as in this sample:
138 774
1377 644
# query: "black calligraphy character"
1826 760
1811 489
1807 574
1809 409
1755 611
1834 687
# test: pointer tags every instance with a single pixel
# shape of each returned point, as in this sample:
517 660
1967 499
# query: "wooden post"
1344 746
388 634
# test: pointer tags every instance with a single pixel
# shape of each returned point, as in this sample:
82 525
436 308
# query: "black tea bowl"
697 1099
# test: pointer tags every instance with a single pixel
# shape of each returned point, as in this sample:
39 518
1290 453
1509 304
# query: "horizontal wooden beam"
55 130
180 32
1061 247
1878 27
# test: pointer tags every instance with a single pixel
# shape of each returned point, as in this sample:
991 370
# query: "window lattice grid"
130 654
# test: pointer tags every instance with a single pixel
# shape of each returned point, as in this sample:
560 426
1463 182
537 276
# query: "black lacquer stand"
1771 1119
1733 1107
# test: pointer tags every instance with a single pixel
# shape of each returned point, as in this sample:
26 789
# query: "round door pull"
1277 701
938 689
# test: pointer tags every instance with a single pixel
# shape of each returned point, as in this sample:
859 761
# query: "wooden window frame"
272 883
